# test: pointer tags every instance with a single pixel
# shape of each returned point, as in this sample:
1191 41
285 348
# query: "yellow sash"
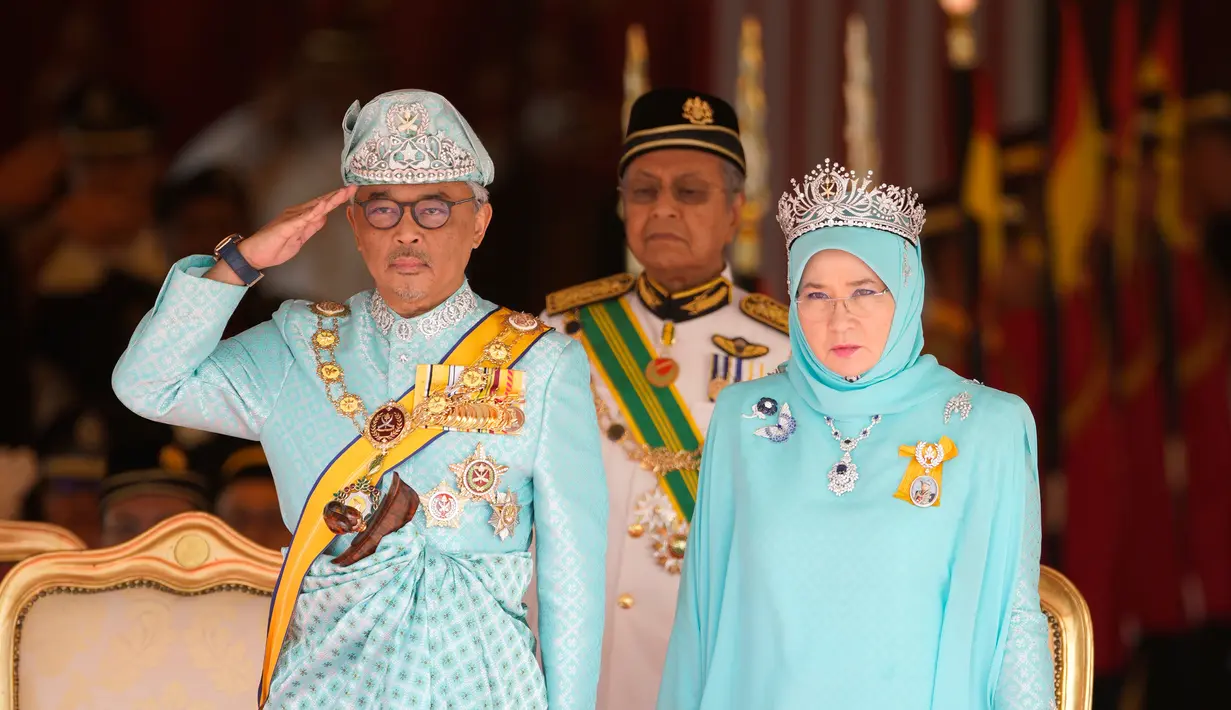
312 536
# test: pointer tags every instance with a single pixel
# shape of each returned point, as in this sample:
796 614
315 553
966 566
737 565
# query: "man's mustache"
411 252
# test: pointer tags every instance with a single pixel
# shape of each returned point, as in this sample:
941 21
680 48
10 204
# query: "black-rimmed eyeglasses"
429 213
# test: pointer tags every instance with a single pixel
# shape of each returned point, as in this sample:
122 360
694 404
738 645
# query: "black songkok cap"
149 466
678 118
104 120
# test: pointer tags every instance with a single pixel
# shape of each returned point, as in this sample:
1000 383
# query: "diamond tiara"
832 196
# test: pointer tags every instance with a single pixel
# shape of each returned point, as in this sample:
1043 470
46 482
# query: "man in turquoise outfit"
474 424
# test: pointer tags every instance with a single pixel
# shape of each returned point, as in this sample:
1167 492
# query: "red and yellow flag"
1152 570
1203 363
982 184
1089 437
1075 185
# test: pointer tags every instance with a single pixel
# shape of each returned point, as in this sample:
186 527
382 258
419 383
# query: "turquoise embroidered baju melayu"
434 617
795 597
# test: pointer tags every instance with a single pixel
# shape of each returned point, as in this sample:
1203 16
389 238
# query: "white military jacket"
673 352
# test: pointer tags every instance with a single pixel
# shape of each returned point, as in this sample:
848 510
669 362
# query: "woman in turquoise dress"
867 530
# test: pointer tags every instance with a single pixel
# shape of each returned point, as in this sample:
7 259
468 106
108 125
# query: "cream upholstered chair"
20 539
1072 639
173 618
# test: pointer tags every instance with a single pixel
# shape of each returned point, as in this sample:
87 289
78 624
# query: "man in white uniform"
661 346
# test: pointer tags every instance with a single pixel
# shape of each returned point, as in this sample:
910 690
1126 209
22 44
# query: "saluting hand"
284 236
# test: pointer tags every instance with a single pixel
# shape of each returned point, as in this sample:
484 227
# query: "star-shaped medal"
442 506
505 514
478 475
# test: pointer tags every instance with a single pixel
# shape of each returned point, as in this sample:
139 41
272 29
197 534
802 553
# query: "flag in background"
1201 369
1089 440
982 185
1151 570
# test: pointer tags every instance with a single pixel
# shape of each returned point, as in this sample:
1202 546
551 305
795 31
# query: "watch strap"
228 251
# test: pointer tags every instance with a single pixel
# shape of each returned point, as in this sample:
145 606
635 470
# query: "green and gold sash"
312 536
656 416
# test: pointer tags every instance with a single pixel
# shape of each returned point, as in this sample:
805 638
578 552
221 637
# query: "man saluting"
416 433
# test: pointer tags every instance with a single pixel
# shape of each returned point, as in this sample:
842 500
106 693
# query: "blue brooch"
766 408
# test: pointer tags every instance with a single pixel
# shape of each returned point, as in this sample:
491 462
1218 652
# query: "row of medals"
654 513
478 477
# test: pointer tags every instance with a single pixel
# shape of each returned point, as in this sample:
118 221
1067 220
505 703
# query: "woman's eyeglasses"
860 304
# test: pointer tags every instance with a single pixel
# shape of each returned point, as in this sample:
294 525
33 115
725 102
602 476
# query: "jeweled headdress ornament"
832 196
411 137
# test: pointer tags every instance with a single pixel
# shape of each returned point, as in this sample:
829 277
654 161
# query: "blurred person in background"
32 171
283 144
71 465
104 221
93 261
17 458
247 499
192 211
32 177
147 481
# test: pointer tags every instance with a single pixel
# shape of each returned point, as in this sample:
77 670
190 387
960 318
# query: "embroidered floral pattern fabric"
439 603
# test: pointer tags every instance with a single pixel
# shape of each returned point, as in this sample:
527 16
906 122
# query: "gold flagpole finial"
636 69
862 149
636 83
750 107
960 35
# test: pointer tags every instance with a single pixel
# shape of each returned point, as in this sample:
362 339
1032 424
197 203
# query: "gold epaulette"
566 299
763 309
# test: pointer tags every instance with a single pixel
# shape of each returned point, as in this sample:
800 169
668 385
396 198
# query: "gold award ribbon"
926 459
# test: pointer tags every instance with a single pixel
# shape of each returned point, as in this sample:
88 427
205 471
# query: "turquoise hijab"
902 377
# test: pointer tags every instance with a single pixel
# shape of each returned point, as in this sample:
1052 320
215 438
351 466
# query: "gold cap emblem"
698 111
173 458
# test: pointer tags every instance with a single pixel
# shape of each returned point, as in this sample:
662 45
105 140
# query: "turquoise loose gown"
434 618
794 597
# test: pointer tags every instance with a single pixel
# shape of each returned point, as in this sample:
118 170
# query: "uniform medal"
505 514
662 372
387 426
442 506
924 490
720 375
921 484
478 476
352 507
655 514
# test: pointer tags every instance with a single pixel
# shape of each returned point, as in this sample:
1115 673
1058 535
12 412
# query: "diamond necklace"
844 473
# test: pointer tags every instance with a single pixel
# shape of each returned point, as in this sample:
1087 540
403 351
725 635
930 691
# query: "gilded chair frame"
20 539
189 554
1071 638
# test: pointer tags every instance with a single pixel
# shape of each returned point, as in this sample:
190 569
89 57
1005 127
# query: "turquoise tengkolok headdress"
411 137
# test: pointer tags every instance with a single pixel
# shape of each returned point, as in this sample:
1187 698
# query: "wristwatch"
228 251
